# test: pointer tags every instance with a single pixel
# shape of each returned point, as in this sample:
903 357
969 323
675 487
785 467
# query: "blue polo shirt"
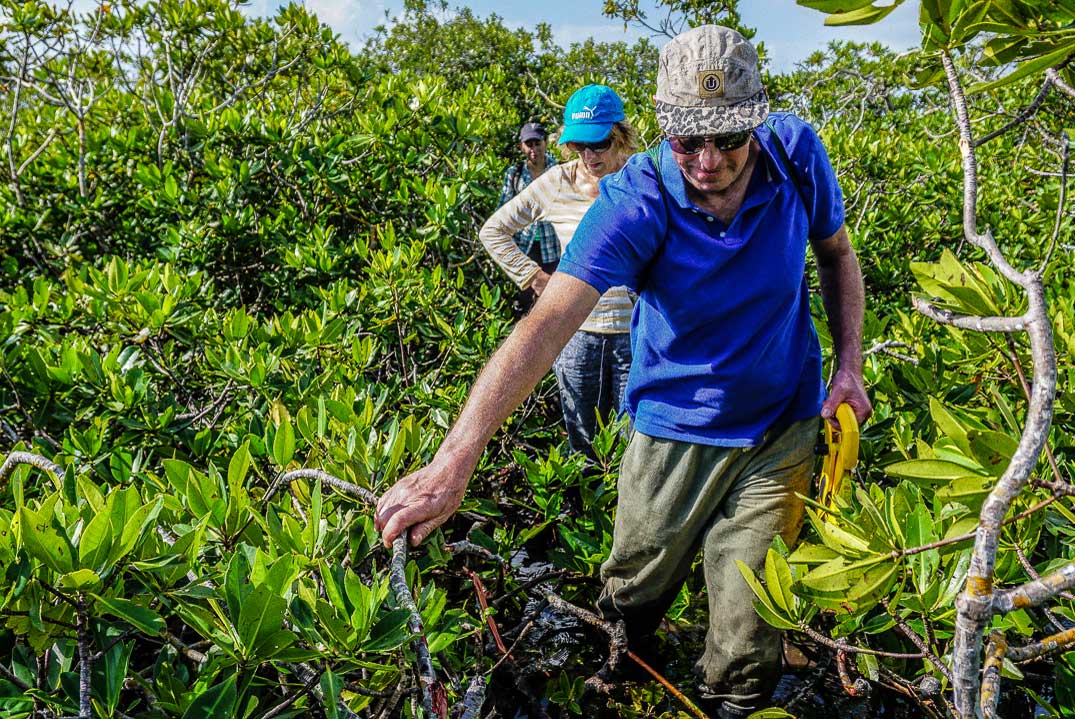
723 344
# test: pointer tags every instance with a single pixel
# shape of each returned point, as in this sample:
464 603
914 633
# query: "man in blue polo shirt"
725 387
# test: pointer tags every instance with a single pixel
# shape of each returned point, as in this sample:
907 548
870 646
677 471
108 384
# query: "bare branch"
539 91
1065 153
1058 81
969 322
434 698
16 458
85 662
1048 645
1023 116
327 479
1036 592
994 661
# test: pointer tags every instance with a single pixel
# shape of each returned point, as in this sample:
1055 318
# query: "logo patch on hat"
711 83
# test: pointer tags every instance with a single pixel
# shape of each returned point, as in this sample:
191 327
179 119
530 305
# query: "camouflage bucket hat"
708 83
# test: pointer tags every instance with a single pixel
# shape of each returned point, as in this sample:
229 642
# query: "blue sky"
789 31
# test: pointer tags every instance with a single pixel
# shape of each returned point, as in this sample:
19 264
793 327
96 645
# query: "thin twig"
292 698
917 641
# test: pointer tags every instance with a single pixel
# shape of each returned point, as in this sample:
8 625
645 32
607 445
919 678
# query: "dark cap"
532 131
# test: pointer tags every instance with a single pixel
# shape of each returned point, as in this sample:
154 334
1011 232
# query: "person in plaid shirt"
537 241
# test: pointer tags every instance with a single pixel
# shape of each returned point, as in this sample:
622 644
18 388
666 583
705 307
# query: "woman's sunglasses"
693 144
578 147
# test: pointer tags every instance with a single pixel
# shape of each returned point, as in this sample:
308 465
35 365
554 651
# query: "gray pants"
676 498
591 372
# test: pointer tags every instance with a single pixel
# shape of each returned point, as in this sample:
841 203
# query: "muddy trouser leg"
668 492
676 496
741 663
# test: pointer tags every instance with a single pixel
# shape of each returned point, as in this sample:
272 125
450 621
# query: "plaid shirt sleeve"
507 190
541 232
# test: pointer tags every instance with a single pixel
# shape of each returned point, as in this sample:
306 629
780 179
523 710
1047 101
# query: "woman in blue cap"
592 369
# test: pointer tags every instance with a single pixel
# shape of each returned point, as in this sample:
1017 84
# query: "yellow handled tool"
842 455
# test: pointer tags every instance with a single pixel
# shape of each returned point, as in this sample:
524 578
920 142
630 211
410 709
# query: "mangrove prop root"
617 635
434 697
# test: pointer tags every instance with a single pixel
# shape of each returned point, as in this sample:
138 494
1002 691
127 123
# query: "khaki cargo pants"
676 498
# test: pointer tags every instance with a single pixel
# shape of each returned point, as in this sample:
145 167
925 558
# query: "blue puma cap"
590 113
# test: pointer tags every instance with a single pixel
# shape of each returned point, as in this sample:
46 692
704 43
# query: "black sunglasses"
693 144
601 146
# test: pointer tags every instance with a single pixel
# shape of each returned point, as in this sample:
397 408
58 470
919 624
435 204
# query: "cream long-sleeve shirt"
553 197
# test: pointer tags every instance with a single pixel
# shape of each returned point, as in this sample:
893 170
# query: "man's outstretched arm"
844 297
425 499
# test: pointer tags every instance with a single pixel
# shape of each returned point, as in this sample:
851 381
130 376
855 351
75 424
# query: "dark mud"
557 648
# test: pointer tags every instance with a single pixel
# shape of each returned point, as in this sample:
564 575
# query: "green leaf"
238 467
283 445
95 542
812 554
130 526
920 527
930 470
771 614
992 450
44 540
948 425
778 581
390 632
772 618
839 574
1025 69
270 646
145 620
262 615
970 491
875 582
79 580
331 684
837 539
967 25
862 16
867 666
216 703
834 6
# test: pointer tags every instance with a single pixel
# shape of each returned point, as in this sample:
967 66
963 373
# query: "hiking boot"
719 708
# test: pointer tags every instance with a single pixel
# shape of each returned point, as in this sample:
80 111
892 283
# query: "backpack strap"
786 159
516 178
654 155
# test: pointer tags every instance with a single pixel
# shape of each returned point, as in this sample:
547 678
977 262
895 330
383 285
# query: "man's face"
532 149
713 171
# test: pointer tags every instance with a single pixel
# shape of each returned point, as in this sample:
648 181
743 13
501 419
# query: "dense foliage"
232 248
